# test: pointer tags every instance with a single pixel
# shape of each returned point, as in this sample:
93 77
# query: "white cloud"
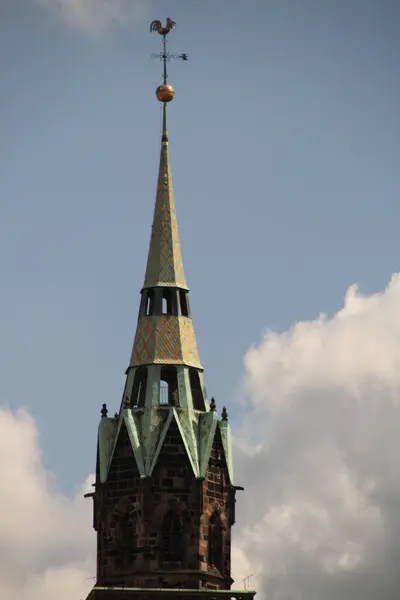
318 453
95 16
46 541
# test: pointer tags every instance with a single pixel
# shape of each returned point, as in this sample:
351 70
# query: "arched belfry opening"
197 392
168 302
161 301
169 394
139 387
216 543
184 303
149 302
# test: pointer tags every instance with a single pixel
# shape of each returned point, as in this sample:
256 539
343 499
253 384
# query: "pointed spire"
164 263
165 334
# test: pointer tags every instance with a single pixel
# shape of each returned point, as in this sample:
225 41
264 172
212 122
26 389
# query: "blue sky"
285 161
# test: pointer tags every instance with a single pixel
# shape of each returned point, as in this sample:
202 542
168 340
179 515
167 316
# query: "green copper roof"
107 436
147 430
227 445
164 263
207 428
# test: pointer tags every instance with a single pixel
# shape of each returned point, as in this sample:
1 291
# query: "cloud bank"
318 453
95 16
46 541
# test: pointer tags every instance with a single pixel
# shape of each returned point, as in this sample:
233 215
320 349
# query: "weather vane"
165 92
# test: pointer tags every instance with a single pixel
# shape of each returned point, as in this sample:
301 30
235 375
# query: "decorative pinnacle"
165 93
213 406
224 414
104 411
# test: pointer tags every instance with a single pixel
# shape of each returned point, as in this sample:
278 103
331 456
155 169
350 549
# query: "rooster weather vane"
165 56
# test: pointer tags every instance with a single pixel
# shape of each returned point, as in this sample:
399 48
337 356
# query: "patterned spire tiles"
164 263
165 340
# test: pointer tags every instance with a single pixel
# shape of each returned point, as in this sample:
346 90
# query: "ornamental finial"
157 26
165 93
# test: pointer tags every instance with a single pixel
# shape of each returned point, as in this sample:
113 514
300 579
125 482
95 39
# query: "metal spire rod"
165 56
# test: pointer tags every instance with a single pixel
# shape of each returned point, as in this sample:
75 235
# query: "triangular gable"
161 439
207 427
106 439
189 438
133 428
153 421
225 431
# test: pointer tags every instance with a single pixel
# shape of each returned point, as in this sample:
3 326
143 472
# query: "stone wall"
135 518
216 501
116 500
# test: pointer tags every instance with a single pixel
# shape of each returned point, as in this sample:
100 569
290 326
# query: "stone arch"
171 537
122 525
173 521
218 509
216 538
158 515
174 504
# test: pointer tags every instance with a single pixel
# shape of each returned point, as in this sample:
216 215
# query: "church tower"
164 496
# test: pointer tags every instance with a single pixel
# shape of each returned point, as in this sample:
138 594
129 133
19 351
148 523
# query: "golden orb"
165 93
